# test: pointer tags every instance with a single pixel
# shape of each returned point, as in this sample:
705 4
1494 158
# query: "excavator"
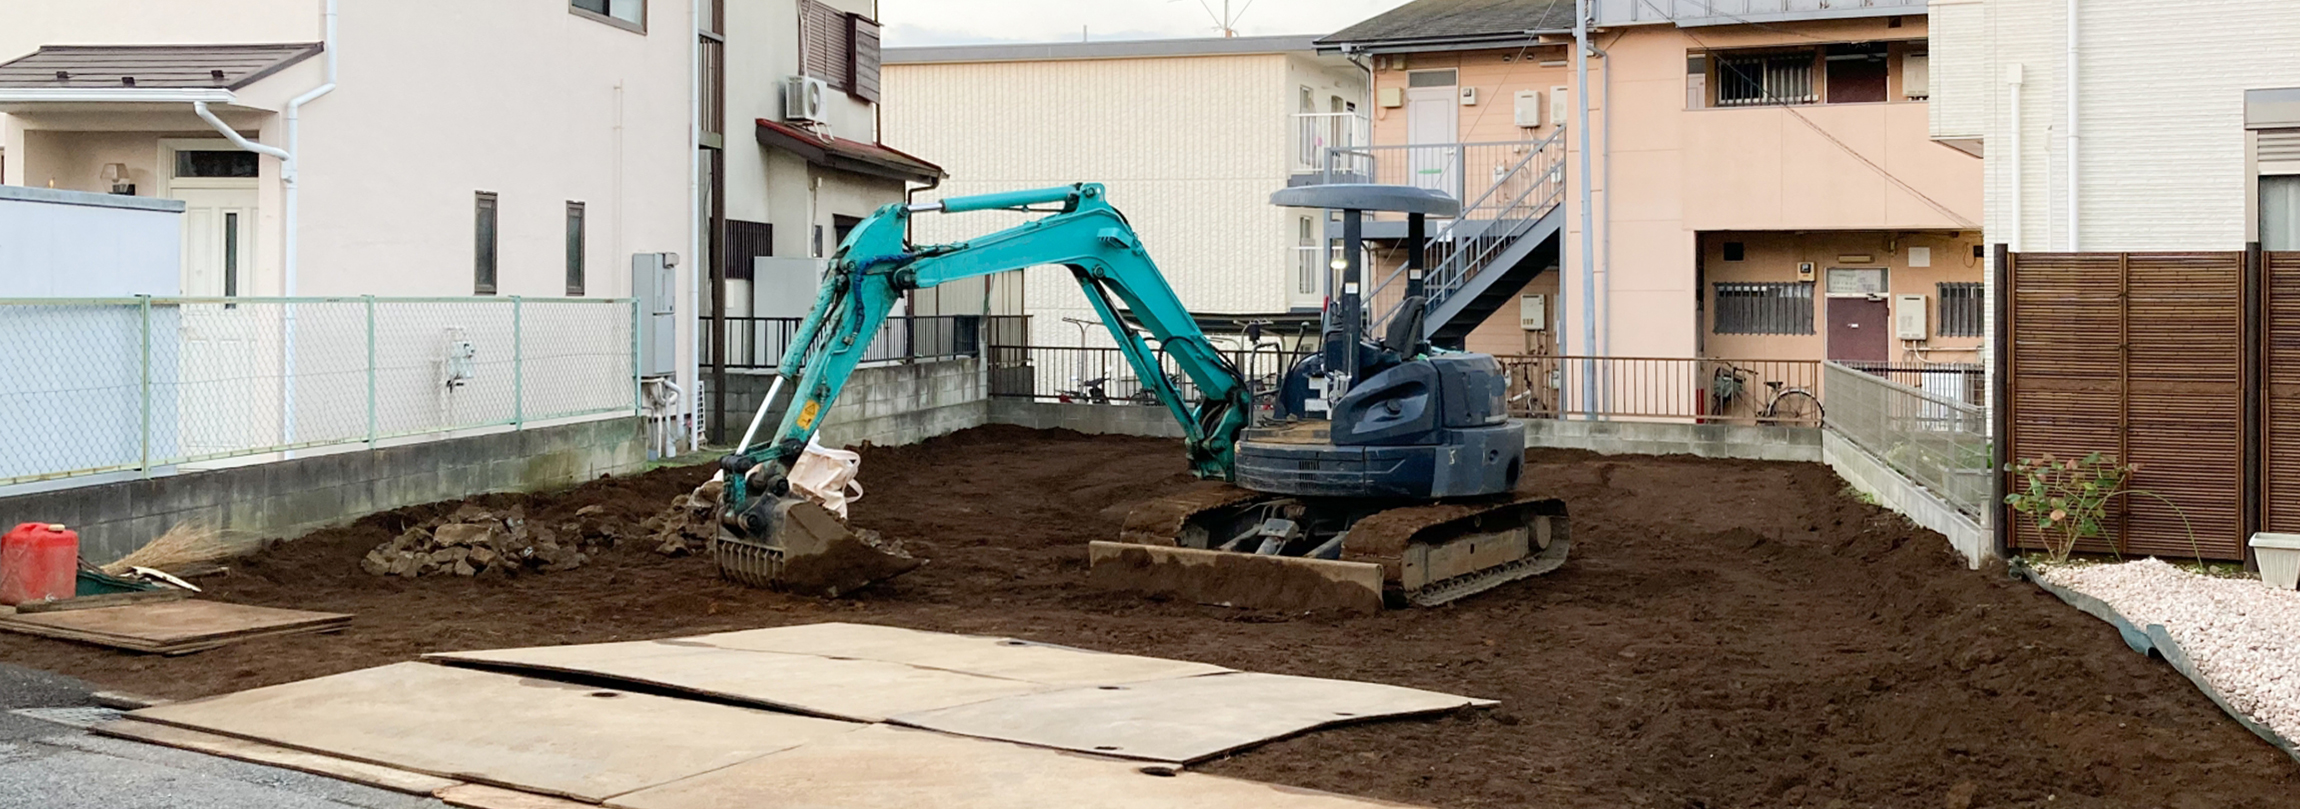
1387 475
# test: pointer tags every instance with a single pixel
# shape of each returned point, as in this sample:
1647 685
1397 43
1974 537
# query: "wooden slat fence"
2142 356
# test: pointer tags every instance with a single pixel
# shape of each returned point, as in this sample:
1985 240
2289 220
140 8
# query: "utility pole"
1588 236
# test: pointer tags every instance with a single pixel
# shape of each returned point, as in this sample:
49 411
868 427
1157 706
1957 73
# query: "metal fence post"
370 300
518 366
144 461
638 391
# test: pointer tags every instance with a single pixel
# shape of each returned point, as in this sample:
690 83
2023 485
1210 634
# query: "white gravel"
2242 635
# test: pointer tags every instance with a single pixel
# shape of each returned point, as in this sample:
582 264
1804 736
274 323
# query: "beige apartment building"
1762 183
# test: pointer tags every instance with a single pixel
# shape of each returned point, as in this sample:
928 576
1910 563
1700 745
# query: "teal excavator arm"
876 265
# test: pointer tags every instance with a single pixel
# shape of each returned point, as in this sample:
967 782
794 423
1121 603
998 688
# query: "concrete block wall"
286 499
1092 419
887 405
1748 442
1869 475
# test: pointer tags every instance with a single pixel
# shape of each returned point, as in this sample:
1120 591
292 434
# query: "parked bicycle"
1782 403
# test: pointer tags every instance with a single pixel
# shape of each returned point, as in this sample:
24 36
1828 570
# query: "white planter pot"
2279 556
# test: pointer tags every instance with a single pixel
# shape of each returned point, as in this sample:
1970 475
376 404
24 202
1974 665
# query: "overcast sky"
970 22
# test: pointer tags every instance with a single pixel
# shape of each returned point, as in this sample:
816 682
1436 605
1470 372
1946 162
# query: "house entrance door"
1433 118
1860 329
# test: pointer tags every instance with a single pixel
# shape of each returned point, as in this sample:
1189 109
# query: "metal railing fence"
90 386
759 342
1464 170
1938 441
1097 375
1759 392
1316 132
1964 382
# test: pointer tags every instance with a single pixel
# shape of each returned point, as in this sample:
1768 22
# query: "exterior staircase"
1477 263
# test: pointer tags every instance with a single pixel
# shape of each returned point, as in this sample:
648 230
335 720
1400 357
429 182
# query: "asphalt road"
57 766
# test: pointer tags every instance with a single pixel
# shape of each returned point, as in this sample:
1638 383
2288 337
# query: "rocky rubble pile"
685 527
475 541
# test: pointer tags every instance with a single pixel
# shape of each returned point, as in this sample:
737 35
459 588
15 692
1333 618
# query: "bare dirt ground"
1728 634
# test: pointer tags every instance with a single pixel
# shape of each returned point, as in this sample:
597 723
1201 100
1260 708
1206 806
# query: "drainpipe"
2073 162
1605 176
694 369
1588 238
2013 136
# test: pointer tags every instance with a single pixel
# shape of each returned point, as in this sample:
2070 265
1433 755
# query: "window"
1431 78
231 254
575 249
483 252
1856 73
1306 254
2280 212
841 225
1776 78
1764 308
1961 309
1856 281
631 14
840 48
224 163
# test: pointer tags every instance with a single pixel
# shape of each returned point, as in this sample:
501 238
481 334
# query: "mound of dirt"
1727 634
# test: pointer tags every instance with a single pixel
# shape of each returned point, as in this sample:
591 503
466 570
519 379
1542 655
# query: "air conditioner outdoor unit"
1909 317
803 98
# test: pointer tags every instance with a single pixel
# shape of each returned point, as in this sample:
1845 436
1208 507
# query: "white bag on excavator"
827 476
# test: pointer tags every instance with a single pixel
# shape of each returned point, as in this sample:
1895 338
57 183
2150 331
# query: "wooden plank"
883 766
97 602
980 655
172 627
482 796
357 772
524 733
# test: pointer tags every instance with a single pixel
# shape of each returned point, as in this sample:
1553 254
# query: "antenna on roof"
1226 21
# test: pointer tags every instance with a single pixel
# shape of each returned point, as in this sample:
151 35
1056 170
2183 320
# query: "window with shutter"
825 37
866 58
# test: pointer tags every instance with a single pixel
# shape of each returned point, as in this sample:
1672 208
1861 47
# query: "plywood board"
171 627
358 772
840 688
520 732
482 796
982 655
890 767
1183 720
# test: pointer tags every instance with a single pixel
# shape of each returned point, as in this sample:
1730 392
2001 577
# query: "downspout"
2074 163
694 369
1605 177
2013 150
1588 237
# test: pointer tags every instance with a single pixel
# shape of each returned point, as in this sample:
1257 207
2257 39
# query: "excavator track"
1422 554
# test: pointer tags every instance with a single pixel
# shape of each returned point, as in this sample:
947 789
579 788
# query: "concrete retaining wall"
888 405
294 497
1868 475
1750 442
1092 419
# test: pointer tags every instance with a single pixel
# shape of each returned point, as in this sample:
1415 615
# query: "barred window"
1764 308
1780 78
1961 309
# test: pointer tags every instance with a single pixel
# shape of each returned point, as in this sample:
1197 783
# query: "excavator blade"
1201 545
806 549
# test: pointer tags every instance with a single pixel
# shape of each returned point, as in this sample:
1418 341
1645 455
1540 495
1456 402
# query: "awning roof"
97 67
874 159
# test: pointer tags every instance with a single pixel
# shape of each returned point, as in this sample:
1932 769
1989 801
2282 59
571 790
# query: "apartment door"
1433 119
227 387
1860 316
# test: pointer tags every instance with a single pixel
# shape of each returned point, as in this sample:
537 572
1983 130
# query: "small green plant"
2067 500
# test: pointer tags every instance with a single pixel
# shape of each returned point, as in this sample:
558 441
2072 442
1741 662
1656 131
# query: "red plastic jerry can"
38 562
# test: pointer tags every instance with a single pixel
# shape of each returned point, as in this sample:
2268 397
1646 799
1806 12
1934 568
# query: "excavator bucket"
806 549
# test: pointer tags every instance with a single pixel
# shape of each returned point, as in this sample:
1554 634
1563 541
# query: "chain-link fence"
106 385
1936 440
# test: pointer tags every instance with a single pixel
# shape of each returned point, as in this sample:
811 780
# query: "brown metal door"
1860 330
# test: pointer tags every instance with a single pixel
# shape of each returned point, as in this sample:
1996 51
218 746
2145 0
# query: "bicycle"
1784 404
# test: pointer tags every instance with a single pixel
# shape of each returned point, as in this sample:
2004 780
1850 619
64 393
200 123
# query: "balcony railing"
759 342
1317 133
